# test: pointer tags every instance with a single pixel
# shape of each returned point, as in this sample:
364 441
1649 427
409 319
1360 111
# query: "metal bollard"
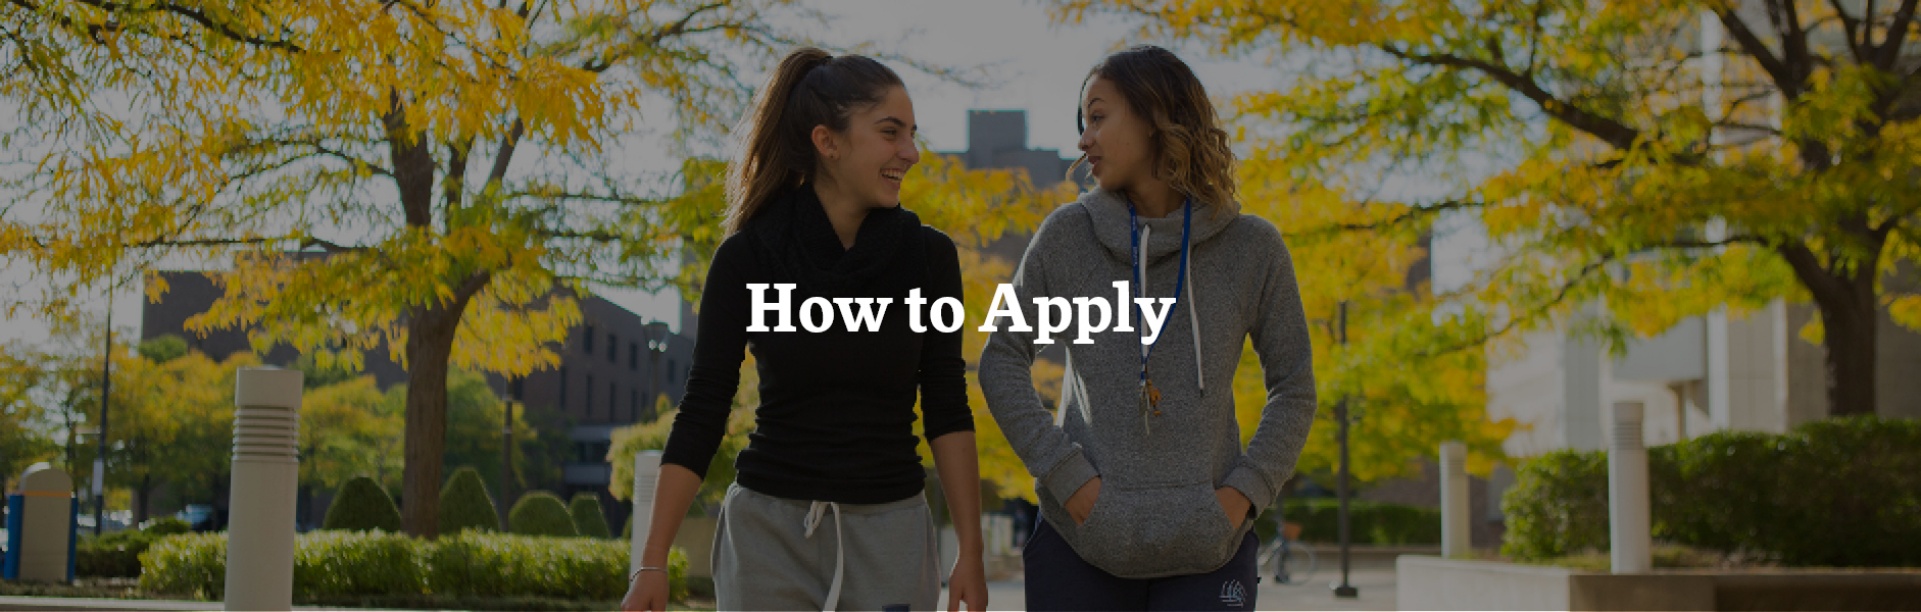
260 533
646 475
1630 539
1455 527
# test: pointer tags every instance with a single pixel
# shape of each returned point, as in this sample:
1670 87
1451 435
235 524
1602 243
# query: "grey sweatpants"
765 558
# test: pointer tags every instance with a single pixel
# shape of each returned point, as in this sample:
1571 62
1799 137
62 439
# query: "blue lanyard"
1140 271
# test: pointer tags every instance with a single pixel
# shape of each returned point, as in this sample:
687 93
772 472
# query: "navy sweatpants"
1057 579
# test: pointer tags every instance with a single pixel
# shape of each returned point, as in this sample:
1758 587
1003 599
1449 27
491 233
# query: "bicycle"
1278 553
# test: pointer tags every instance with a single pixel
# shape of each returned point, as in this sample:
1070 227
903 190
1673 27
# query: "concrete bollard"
260 534
1456 530
1630 537
646 475
40 527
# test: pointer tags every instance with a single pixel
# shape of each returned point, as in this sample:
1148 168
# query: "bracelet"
644 568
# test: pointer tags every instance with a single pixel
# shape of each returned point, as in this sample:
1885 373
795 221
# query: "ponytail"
810 87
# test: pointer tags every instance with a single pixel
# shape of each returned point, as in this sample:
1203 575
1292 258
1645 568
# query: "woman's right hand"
1081 503
648 591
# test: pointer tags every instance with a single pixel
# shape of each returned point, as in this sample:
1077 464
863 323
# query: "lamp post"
106 400
514 393
656 344
1343 590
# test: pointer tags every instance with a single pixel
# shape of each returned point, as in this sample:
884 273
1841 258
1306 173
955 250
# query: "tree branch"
1608 130
197 16
1890 48
1759 50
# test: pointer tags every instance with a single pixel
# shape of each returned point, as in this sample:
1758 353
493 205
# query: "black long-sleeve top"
835 422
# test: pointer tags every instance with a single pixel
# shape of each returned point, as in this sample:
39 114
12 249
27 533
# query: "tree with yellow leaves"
1659 158
439 167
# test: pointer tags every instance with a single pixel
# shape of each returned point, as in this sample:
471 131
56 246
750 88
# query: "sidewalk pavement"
1375 582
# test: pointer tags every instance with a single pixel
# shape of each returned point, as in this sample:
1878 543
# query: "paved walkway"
1376 584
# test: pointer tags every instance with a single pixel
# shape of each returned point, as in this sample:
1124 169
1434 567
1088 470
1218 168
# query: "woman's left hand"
968 583
1235 503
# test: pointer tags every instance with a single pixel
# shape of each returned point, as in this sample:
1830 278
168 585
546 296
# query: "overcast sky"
1032 66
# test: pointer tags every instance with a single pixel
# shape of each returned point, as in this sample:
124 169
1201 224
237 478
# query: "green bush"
541 513
466 504
587 516
112 555
1368 522
164 526
486 565
355 563
1840 492
117 554
362 505
189 564
359 569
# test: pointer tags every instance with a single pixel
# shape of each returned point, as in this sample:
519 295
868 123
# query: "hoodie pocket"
1151 532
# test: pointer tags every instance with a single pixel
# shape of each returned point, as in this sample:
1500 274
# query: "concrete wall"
1433 583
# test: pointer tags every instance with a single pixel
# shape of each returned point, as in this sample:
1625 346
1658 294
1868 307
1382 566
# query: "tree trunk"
1848 319
1850 359
142 498
430 339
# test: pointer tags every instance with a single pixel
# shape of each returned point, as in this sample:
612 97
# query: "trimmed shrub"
355 563
189 564
587 516
165 526
112 555
541 513
362 505
1368 522
1842 492
487 565
466 504
117 554
473 569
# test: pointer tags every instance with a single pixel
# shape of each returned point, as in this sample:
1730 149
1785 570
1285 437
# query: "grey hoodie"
1156 515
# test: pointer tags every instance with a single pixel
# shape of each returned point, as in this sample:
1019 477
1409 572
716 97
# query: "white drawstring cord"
814 512
1194 319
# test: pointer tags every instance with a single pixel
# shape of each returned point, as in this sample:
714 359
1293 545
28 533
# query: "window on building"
633 357
673 370
519 389
613 347
587 341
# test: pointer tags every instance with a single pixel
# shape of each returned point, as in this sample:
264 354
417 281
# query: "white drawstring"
814 512
1193 307
1194 319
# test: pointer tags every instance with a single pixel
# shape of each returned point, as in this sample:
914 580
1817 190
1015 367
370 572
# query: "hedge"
117 554
541 513
587 516
1376 523
1842 492
362 505
466 504
369 567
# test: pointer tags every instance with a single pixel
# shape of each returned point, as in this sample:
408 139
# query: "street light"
106 400
515 393
657 336
1343 590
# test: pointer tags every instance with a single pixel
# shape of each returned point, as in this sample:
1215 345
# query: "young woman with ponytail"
827 511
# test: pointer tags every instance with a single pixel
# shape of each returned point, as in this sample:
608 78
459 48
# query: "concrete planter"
1434 583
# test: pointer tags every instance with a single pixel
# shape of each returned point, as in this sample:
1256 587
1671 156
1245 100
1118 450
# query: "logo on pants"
1233 594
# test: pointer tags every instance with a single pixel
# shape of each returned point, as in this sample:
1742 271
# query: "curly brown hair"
1190 146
